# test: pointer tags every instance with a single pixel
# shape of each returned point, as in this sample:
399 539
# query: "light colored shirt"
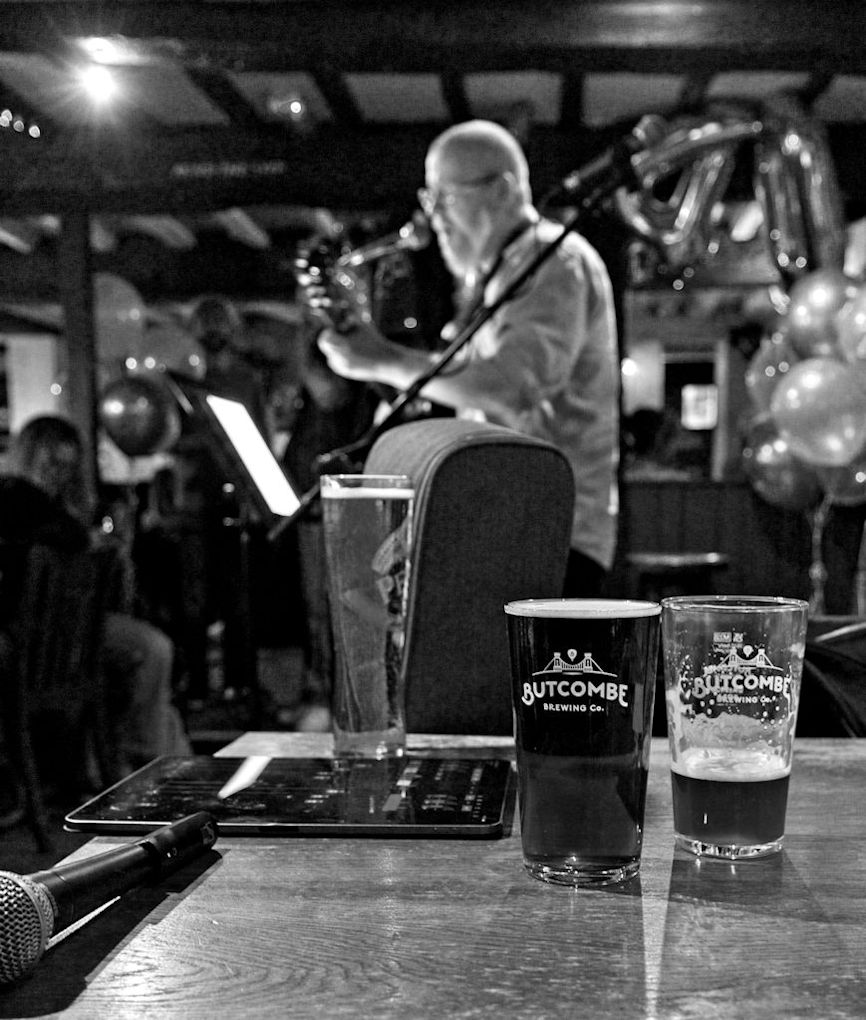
550 356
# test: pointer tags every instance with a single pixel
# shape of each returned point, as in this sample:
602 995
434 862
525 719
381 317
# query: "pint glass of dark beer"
583 679
732 685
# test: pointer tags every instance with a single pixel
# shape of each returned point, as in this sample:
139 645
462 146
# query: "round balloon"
851 327
820 409
815 303
845 486
769 365
776 474
119 314
139 415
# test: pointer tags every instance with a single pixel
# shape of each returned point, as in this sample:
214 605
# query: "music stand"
265 494
241 451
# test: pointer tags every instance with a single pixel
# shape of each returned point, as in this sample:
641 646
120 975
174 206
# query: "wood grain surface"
409 929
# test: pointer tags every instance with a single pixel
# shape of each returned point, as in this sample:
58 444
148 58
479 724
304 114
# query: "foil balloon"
793 178
845 486
119 315
795 181
851 327
681 180
679 223
139 415
777 475
819 408
768 366
816 302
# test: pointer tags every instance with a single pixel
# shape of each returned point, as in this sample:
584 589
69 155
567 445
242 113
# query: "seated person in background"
42 503
217 326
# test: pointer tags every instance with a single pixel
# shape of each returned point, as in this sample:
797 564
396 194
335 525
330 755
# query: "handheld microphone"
412 236
35 907
615 166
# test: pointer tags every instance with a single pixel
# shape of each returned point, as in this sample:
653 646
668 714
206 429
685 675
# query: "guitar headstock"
334 293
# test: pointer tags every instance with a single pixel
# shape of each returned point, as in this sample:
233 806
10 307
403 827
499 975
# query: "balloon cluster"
807 382
807 387
136 409
805 444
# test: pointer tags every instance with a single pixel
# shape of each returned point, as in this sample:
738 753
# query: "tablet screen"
410 795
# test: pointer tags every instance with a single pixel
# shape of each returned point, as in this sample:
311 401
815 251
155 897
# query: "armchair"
493 512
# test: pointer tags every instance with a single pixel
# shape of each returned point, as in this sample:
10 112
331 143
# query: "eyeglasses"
430 198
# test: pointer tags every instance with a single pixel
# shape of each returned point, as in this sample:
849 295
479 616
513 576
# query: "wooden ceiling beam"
331 83
332 166
453 84
223 94
400 36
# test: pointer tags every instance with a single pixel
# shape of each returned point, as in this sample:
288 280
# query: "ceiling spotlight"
107 49
98 82
288 107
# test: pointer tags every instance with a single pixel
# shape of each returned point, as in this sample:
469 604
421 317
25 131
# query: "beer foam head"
582 609
732 765
366 487
368 493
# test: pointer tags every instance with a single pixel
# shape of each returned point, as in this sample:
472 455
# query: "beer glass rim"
582 608
733 603
337 485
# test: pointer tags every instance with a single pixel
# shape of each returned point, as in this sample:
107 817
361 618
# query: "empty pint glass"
368 533
733 666
583 681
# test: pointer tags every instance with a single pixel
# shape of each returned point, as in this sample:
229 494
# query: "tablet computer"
403 796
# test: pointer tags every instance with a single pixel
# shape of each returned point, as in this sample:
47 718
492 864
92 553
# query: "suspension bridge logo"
570 684
743 678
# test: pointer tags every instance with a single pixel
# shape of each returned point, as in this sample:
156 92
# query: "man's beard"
459 258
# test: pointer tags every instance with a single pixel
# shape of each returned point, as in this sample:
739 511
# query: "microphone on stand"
412 236
35 907
617 165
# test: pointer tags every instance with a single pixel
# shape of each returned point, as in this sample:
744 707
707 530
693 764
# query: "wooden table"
412 929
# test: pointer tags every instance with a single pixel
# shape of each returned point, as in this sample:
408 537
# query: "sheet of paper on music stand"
251 447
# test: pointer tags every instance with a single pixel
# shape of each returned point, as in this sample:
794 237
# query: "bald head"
482 148
476 195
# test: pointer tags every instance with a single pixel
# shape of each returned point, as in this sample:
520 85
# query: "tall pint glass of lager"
732 685
583 679
368 537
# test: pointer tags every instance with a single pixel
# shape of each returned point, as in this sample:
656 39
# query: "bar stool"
657 575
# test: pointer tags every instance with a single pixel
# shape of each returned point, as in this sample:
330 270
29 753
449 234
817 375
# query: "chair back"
52 697
493 514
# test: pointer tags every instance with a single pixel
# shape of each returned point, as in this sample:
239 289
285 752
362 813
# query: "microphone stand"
348 459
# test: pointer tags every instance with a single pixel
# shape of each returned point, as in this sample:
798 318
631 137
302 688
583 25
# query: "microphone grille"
651 130
26 923
416 234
